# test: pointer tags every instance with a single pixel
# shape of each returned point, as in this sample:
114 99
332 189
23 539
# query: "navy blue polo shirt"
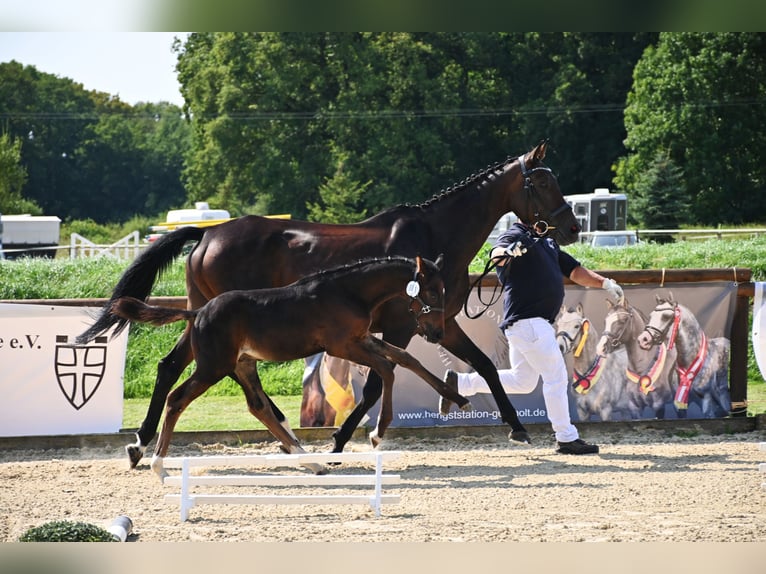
533 283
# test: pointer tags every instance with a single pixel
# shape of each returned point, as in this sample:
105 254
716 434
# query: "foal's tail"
132 309
139 278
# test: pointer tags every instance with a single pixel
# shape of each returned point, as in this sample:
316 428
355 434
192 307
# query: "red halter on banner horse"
255 252
702 364
650 373
330 311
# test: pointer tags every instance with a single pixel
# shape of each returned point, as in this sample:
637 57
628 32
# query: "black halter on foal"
541 227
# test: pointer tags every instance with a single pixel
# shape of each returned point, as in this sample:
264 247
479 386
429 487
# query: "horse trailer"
600 210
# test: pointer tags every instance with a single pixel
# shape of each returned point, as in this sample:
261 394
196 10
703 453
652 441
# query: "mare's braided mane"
456 187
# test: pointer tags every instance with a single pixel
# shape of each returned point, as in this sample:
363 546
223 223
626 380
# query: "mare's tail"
139 278
132 309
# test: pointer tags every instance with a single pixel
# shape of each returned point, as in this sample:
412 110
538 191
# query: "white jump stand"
189 500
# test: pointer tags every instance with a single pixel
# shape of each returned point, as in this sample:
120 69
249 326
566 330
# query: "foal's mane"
457 187
332 272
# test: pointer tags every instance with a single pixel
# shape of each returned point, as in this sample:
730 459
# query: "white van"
609 238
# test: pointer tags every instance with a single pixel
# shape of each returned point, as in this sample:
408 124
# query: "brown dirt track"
649 483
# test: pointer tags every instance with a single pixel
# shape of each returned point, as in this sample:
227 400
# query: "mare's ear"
439 261
580 310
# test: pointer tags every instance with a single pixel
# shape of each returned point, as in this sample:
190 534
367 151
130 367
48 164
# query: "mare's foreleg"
168 371
177 402
457 342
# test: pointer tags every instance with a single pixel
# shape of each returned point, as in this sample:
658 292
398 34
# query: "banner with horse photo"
663 354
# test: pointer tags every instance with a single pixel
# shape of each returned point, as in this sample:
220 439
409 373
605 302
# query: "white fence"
126 248
188 499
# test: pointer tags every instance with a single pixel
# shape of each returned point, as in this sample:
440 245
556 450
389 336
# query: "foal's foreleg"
404 359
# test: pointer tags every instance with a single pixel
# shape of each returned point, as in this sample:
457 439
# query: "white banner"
49 385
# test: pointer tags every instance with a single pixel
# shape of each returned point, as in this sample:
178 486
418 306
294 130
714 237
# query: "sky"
136 66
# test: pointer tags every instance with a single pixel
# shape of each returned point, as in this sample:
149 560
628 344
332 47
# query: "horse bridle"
614 341
413 292
541 227
570 340
658 335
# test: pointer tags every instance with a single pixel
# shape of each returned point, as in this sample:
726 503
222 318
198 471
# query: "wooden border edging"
540 433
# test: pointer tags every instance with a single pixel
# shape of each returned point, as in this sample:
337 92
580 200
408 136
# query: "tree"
340 197
12 178
88 154
659 201
413 113
699 99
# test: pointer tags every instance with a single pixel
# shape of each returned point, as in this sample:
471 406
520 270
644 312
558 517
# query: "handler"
531 267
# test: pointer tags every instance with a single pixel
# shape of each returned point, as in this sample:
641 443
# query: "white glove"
515 249
615 291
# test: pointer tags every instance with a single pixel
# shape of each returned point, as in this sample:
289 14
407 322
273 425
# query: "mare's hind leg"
168 371
177 402
459 344
264 409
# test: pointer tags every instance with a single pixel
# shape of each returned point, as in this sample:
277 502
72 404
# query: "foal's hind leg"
262 407
168 371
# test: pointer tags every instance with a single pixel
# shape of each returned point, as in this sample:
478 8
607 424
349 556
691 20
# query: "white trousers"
533 353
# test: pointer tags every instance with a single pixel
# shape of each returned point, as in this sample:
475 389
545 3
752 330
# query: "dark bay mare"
256 252
329 311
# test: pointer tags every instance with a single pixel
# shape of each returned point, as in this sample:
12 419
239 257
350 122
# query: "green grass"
214 413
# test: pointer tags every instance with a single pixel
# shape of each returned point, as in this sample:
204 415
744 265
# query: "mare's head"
571 328
542 205
660 320
426 294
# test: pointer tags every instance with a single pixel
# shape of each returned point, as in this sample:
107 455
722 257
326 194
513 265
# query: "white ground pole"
187 499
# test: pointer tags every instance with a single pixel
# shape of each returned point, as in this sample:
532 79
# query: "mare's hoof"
135 454
450 380
468 407
521 437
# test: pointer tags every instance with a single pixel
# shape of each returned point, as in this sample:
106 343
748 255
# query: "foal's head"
426 294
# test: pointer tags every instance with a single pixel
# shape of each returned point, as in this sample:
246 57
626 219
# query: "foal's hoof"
468 407
135 454
375 440
316 468
521 437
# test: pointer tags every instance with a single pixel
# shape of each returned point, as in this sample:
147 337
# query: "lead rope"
489 267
